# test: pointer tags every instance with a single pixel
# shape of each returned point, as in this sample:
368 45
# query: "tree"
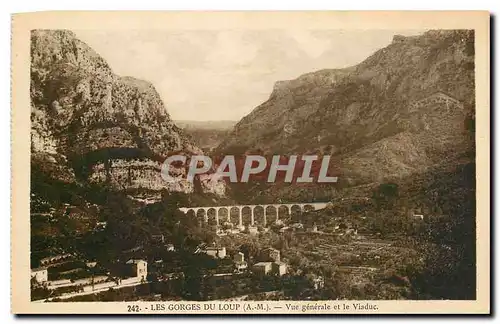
384 196
250 250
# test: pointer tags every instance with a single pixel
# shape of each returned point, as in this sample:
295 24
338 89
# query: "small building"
216 252
41 275
239 257
270 255
418 217
170 247
279 268
239 261
284 229
138 268
55 259
262 268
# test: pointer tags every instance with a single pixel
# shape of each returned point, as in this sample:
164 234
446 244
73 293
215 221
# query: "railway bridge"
266 208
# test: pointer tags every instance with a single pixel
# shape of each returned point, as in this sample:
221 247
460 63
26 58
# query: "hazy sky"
224 75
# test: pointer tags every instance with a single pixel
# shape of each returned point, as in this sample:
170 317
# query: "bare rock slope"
92 126
405 108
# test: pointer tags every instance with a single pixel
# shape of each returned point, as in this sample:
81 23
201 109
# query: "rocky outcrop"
400 111
99 127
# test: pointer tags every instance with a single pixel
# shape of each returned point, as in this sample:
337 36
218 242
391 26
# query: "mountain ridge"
92 126
358 112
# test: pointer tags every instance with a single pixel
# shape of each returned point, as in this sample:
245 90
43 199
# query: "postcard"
314 162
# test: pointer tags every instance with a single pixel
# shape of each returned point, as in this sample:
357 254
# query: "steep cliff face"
403 109
90 125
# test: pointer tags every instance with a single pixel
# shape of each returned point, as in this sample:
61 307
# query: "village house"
279 268
41 275
239 257
170 247
262 268
215 252
239 261
138 268
270 255
265 268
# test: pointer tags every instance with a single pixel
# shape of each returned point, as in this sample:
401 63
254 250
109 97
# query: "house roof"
58 256
262 264
38 269
214 248
135 261
279 263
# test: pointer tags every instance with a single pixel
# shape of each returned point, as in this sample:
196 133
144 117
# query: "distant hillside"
209 124
206 134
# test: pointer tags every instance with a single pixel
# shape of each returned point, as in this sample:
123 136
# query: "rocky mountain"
90 126
405 108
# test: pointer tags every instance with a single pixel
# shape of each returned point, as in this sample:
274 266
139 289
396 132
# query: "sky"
224 74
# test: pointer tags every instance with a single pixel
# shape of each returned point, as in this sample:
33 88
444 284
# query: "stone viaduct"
302 206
